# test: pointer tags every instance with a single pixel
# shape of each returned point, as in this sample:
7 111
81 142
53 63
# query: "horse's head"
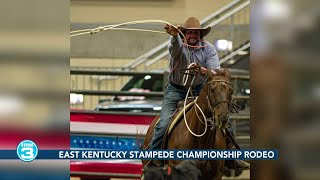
219 95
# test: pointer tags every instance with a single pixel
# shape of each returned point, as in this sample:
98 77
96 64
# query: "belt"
185 88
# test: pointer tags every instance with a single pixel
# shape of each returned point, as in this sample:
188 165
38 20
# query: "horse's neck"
202 102
197 122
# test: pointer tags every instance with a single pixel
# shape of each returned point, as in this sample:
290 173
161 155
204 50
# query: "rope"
108 27
184 114
185 78
114 27
91 31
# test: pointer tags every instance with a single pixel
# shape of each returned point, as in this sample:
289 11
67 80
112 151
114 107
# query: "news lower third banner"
27 155
28 151
144 154
170 154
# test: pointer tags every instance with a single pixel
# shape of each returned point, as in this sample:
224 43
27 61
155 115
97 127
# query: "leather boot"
241 165
235 163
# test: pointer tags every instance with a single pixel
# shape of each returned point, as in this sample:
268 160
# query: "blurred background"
285 87
34 93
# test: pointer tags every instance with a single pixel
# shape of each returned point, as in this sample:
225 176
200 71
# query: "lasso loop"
115 27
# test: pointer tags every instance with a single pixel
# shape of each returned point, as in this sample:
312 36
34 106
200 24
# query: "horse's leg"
221 144
219 171
218 176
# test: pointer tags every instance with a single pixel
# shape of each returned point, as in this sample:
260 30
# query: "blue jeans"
171 97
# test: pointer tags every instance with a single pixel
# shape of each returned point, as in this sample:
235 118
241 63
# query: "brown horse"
214 100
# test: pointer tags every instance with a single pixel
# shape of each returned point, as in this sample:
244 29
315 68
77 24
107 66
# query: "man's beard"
193 42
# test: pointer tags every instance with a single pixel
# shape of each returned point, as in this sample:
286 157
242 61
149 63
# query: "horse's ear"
209 74
226 72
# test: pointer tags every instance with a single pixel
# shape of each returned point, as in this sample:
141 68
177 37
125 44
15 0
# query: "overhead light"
147 77
248 91
157 108
276 10
223 45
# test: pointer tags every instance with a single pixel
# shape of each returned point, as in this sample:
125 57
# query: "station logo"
27 150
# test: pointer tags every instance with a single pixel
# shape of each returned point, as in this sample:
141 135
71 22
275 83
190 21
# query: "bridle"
212 105
211 108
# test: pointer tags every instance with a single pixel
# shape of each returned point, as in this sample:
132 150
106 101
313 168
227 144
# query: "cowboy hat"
194 23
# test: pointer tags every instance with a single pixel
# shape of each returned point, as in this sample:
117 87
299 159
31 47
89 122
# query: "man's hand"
198 68
171 30
194 66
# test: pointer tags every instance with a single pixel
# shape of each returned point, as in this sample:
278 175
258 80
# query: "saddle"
180 104
177 116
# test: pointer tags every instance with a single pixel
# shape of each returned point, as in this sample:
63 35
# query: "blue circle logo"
27 150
